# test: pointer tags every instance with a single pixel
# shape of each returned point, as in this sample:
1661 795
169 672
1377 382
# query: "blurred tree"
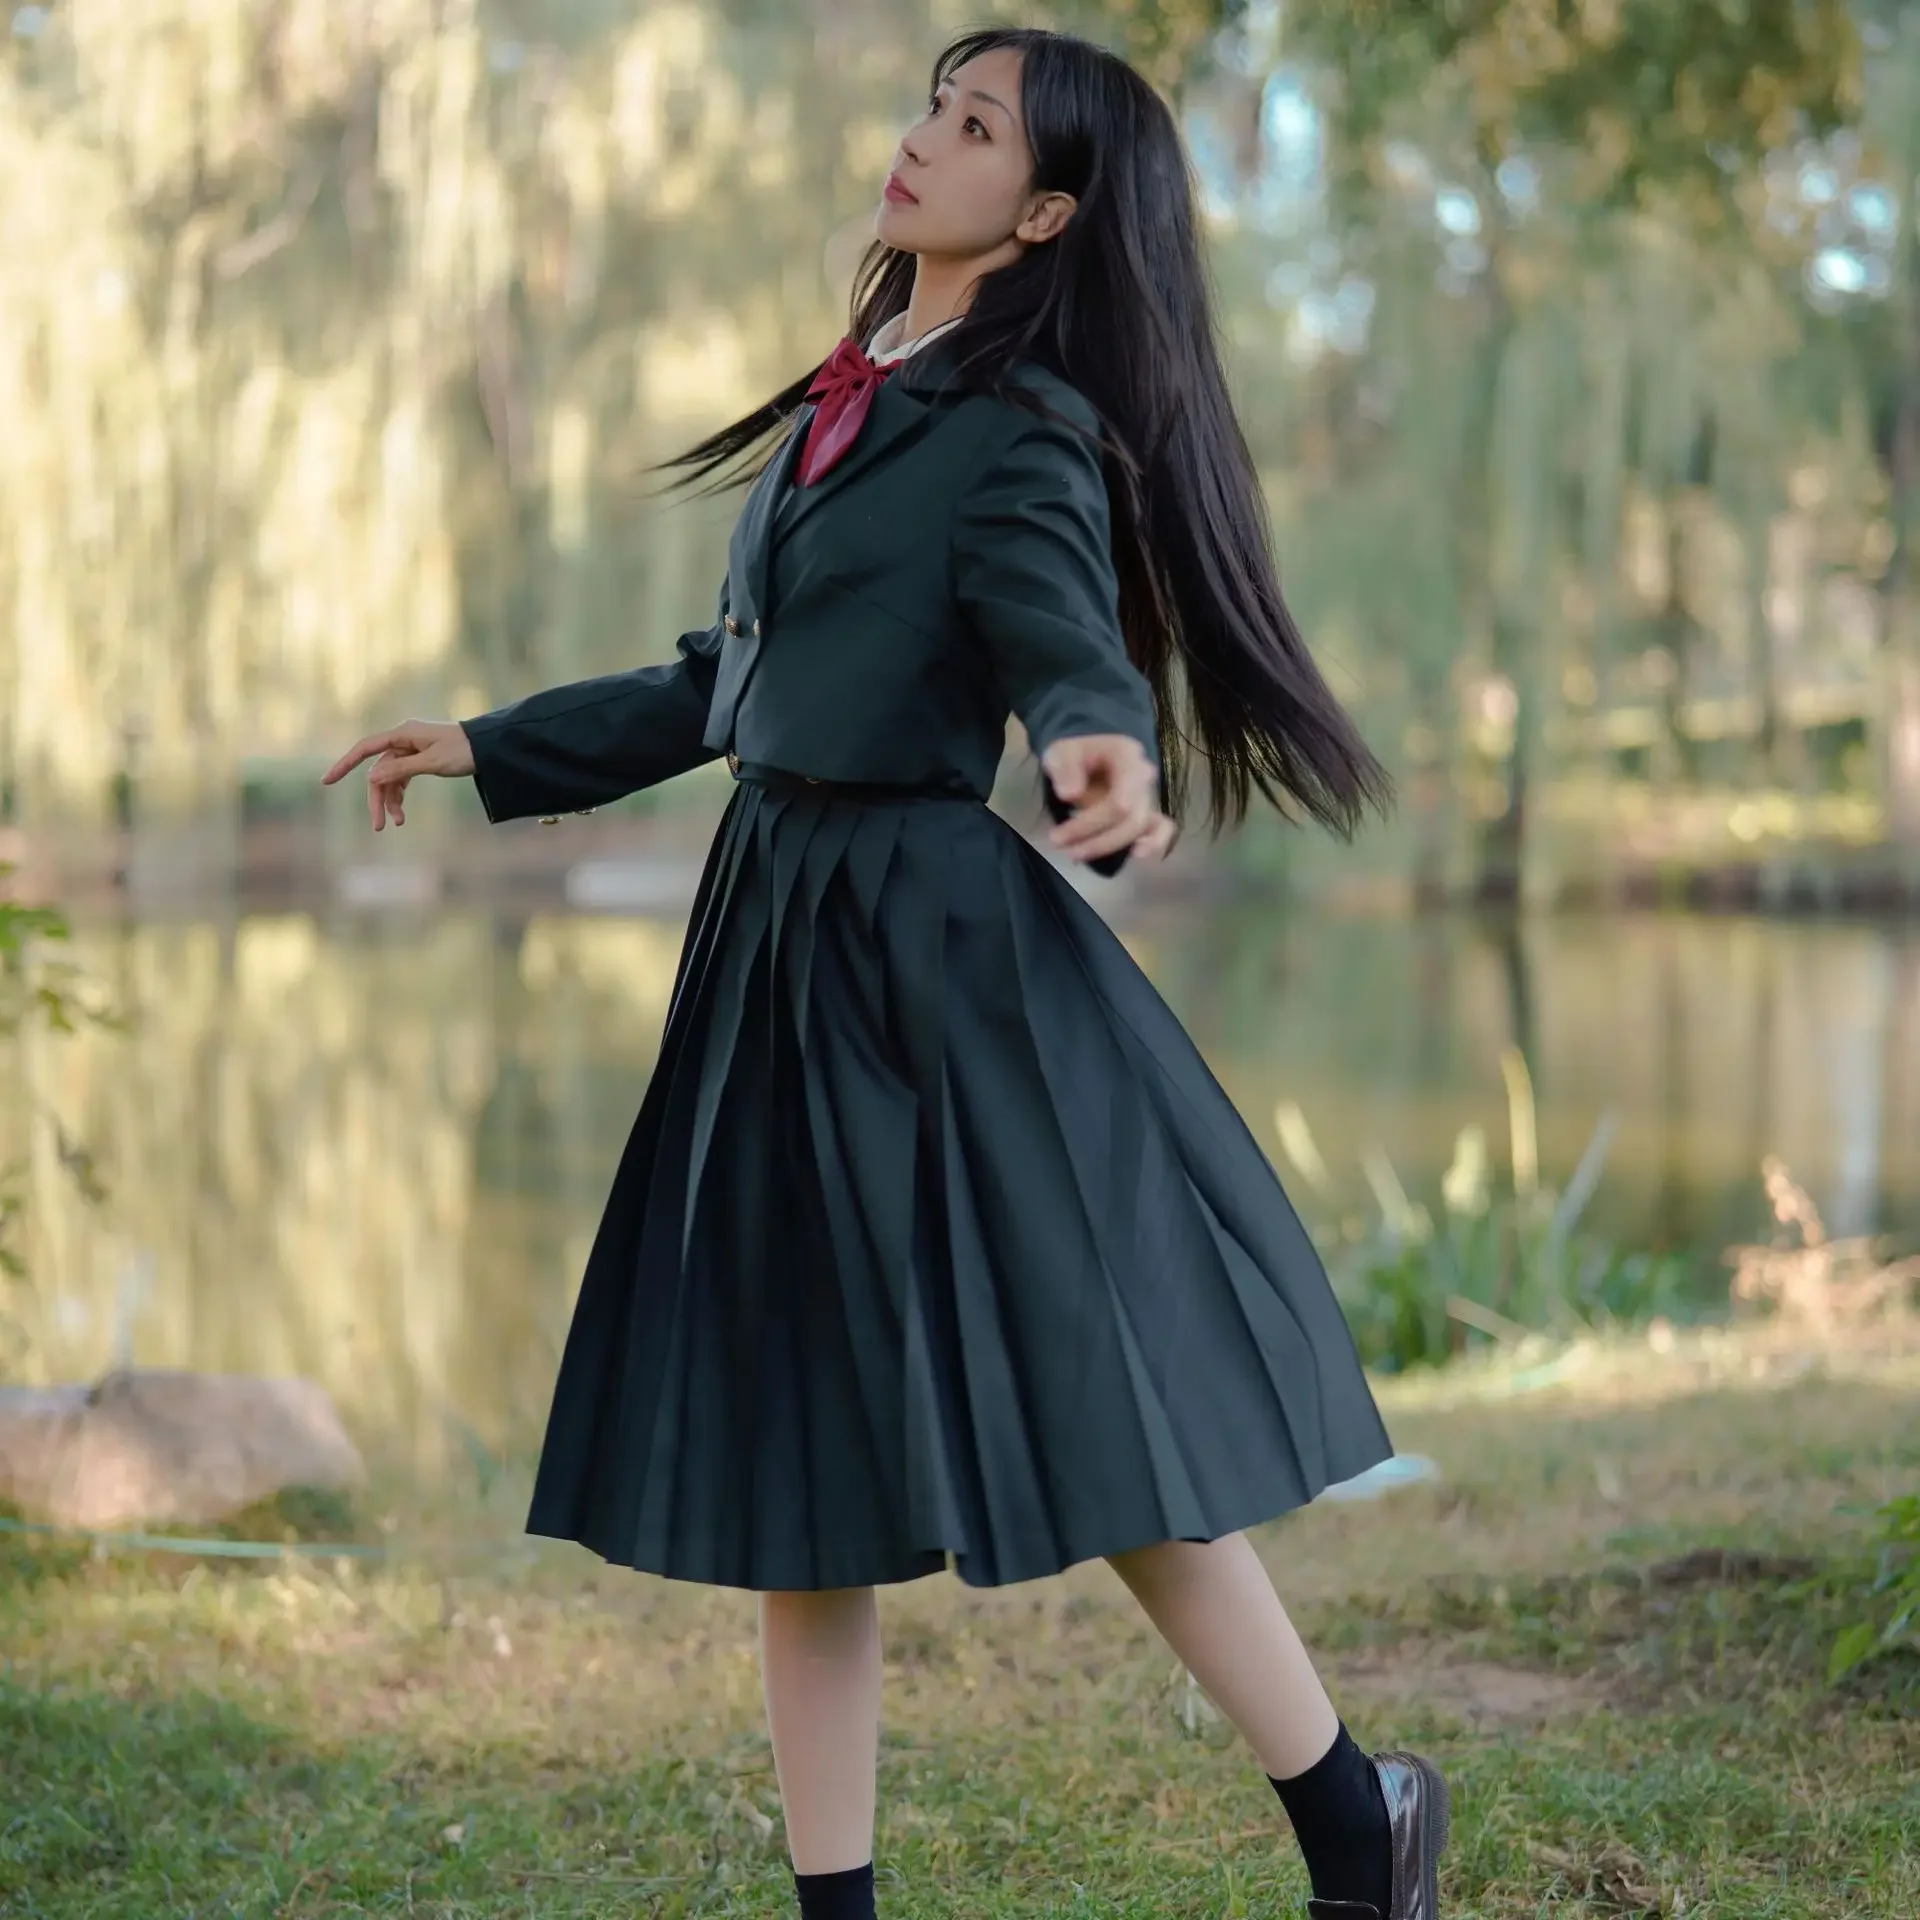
365 322
337 342
1565 165
1893 121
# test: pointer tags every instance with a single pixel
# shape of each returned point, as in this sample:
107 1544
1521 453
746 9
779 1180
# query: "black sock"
847 1895
1339 1816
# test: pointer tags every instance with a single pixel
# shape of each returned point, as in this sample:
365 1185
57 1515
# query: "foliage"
37 990
1162 38
1421 1284
25 992
31 986
1890 1619
1651 95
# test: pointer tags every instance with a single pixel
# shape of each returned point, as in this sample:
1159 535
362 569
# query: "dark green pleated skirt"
935 1241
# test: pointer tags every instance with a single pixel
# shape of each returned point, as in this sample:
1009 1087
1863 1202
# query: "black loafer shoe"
1419 1810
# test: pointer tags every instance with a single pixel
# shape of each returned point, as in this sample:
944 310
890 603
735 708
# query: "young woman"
935 1243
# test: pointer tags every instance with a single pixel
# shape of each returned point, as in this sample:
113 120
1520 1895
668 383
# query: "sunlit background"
1579 349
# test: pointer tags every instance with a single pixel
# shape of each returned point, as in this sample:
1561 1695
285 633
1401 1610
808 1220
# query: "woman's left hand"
1114 791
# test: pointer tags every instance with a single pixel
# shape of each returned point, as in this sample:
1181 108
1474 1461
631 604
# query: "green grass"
1611 1621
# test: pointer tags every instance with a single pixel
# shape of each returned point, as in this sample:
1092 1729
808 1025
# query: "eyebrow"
974 93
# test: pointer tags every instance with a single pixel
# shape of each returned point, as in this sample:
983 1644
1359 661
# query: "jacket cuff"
477 732
1070 713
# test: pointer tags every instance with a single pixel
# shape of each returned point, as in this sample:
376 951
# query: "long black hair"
1118 305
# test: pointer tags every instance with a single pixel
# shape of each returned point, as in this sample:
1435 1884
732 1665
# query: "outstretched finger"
1157 842
1125 835
354 755
1097 817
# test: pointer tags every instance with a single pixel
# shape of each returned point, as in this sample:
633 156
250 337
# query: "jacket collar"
907 401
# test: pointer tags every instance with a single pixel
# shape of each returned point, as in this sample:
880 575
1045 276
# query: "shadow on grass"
117 1808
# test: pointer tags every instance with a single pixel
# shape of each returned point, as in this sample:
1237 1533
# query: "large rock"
155 1447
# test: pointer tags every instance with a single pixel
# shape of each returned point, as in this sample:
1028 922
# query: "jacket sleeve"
1034 573
571 748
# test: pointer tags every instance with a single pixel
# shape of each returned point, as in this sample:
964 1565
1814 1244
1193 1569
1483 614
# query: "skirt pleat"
935 1241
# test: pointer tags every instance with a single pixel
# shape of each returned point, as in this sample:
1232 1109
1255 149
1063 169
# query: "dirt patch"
1727 1567
1611 1877
1479 1693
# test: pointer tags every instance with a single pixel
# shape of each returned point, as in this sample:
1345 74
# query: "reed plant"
1494 1256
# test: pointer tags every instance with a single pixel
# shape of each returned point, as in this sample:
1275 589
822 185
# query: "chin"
894 225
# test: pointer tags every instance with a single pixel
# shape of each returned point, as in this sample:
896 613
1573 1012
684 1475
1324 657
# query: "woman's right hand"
420 746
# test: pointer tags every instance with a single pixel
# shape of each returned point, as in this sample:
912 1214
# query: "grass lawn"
1609 1620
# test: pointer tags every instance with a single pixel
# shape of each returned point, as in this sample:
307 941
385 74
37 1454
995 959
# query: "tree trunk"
1900 622
1679 753
1526 639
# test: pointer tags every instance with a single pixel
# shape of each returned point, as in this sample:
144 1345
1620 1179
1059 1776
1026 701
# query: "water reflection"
374 1152
1714 1041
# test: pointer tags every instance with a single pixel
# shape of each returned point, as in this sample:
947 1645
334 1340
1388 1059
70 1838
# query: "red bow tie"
842 391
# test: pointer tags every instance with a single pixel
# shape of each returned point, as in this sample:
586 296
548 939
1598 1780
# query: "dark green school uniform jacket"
876 626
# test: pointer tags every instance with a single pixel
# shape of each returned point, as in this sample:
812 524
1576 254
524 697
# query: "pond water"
372 1149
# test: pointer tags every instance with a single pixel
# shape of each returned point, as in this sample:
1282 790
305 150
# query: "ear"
1045 218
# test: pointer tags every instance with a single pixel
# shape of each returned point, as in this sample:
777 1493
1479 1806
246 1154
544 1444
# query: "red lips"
897 189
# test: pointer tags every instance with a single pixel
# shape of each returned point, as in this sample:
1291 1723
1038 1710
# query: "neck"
943 290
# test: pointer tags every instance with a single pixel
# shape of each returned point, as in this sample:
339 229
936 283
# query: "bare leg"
1216 1608
820 1665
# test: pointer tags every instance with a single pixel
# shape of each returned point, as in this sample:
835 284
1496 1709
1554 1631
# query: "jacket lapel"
897 411
753 533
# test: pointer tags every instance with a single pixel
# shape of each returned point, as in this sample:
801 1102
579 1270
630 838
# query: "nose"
908 151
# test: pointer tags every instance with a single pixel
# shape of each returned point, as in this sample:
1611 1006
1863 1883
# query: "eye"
973 122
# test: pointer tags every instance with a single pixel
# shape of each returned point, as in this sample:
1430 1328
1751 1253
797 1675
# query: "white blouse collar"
887 345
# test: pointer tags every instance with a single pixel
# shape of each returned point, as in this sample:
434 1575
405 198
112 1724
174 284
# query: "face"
962 181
